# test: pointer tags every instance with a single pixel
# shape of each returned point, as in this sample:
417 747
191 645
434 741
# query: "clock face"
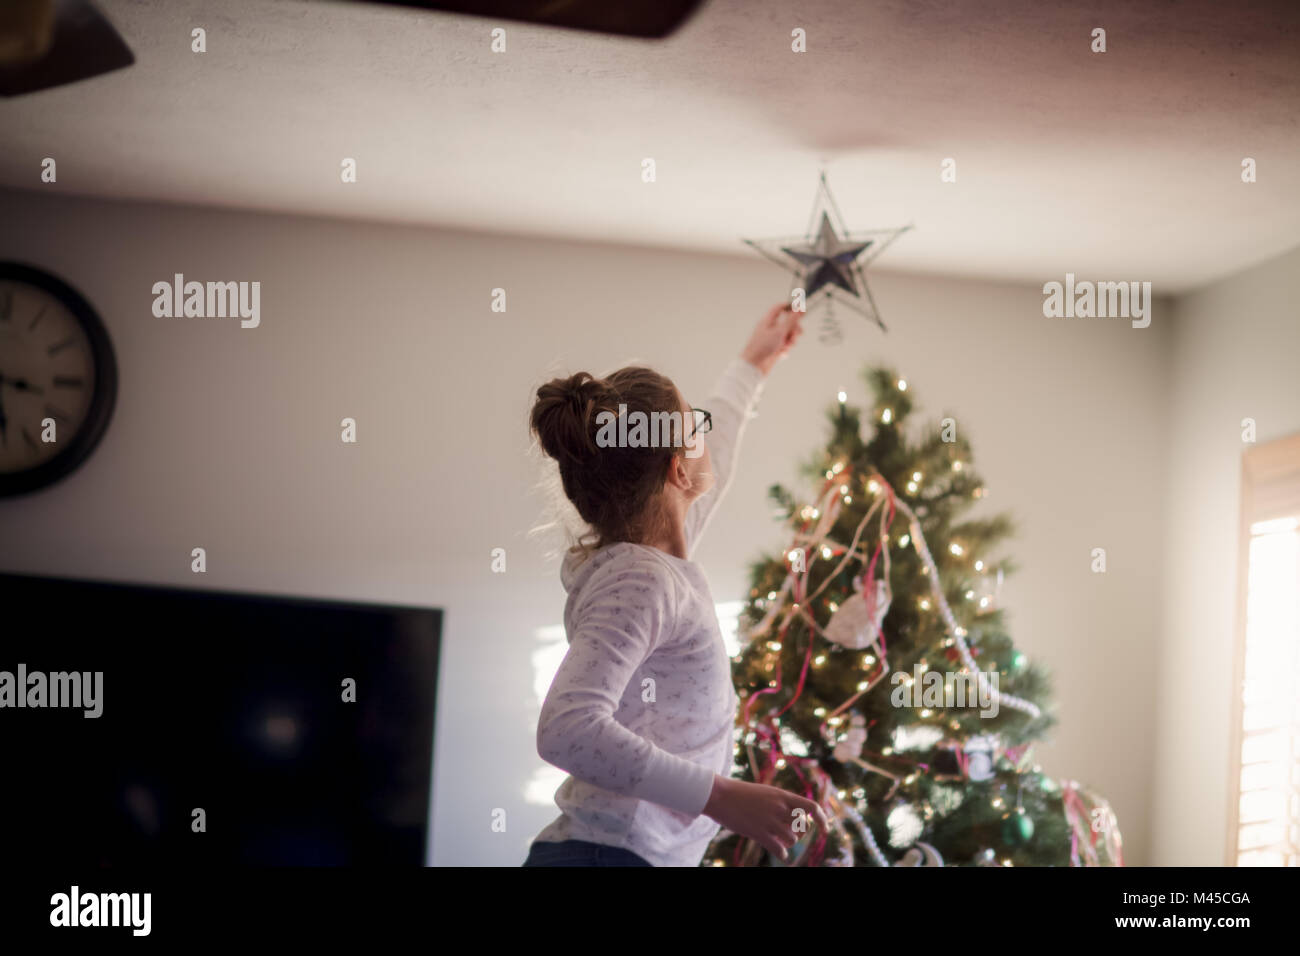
58 379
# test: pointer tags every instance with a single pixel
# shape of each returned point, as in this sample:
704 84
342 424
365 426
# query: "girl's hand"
772 338
760 812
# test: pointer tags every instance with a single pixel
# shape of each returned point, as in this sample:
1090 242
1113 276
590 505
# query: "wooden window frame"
1270 489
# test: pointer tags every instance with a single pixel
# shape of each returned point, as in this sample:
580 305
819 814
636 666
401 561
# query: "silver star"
827 261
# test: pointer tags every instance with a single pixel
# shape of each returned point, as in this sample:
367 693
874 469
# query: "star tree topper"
831 263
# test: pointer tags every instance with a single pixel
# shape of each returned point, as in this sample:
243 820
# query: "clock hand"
23 385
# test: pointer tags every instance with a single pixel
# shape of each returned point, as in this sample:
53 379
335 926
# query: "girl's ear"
677 471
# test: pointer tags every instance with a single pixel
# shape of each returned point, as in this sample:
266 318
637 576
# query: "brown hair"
611 487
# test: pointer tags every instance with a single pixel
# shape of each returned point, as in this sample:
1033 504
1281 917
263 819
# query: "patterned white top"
641 712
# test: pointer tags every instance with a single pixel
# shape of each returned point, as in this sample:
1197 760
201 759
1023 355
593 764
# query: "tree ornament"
1017 827
827 262
856 623
921 737
904 824
855 738
979 752
946 762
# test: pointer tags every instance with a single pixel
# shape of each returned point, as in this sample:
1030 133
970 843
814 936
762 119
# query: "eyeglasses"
703 421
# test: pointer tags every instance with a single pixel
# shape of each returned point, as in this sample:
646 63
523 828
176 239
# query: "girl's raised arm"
731 402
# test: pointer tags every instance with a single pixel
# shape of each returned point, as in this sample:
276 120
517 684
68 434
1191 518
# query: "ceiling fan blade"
47 43
634 18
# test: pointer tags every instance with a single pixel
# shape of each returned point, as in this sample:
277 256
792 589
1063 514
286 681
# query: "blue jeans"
581 853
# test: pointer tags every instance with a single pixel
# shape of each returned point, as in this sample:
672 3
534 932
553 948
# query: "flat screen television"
232 729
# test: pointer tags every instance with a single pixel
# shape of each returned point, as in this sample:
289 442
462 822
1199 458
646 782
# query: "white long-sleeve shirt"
642 710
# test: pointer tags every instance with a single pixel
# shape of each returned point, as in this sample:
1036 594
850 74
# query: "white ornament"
792 743
856 623
904 824
980 767
979 750
921 737
855 738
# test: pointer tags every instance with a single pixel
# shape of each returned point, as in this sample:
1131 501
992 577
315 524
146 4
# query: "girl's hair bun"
564 414
611 487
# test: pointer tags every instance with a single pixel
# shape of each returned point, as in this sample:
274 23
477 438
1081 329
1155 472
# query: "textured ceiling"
1123 165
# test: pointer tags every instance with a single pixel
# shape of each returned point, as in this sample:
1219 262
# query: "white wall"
1234 357
228 438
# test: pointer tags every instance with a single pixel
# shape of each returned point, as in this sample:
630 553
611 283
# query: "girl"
642 709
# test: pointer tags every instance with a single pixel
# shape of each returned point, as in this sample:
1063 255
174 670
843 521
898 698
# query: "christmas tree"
878 678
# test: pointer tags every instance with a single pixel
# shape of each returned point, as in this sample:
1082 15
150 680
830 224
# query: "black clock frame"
103 398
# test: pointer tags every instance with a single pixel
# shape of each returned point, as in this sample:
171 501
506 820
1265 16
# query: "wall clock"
56 362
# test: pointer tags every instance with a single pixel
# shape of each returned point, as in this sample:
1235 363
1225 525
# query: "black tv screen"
296 732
